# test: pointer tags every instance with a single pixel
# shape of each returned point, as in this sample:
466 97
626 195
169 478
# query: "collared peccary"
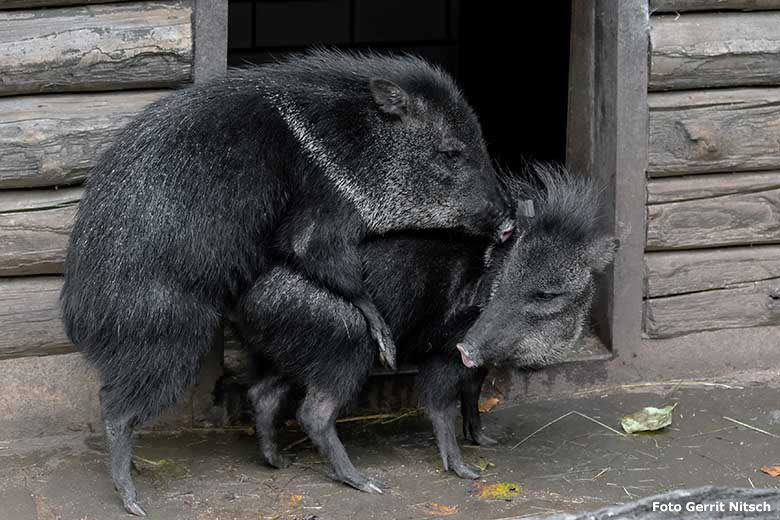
293 162
523 303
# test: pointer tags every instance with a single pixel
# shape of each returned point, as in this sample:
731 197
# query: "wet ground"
573 464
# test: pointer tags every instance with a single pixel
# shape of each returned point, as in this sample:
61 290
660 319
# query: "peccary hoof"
467 471
365 484
277 460
133 508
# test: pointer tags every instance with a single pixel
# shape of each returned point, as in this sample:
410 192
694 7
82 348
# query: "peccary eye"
546 296
452 155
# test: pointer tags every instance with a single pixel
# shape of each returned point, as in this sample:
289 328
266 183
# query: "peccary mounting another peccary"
209 187
522 303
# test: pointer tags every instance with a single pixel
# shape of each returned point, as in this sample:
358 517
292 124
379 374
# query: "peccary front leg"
444 428
379 331
439 384
267 396
325 248
471 387
317 415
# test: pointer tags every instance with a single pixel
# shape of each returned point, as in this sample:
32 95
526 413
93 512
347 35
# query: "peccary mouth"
465 357
506 230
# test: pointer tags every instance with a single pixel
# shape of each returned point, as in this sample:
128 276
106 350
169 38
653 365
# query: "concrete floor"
572 465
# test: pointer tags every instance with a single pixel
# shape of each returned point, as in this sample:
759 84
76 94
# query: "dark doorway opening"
512 58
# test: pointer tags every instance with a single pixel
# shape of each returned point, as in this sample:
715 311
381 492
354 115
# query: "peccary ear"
389 97
601 252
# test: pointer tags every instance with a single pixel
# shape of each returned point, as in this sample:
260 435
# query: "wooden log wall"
101 47
30 4
54 57
712 257
50 140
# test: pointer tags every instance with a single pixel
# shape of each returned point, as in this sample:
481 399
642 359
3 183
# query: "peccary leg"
267 397
439 383
470 389
379 331
321 251
317 415
444 428
119 433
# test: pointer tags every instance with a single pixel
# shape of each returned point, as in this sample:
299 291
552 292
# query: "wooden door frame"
607 137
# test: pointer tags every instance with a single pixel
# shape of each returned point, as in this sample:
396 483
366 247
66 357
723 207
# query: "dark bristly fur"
435 290
212 185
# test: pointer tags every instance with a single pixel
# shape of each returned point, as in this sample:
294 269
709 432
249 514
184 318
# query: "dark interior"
511 58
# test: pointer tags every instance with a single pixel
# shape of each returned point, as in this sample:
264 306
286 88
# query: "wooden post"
210 41
607 138
210 25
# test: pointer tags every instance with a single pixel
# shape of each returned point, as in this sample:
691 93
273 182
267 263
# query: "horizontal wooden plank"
101 47
29 4
54 139
679 272
679 6
34 230
676 189
719 130
748 305
739 219
30 317
714 50
26 200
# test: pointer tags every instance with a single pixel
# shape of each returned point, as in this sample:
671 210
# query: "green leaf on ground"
483 464
648 419
497 491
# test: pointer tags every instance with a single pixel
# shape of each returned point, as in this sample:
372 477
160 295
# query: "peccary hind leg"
267 397
119 434
469 408
317 415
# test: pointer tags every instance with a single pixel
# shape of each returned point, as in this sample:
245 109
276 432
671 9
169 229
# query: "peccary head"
540 283
401 142
436 155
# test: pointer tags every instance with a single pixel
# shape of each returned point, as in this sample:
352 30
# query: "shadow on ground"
572 465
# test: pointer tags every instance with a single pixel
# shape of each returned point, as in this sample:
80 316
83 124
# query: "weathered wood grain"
719 130
739 219
607 139
714 50
34 229
54 139
101 47
678 272
26 200
712 5
676 189
746 305
29 4
30 317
